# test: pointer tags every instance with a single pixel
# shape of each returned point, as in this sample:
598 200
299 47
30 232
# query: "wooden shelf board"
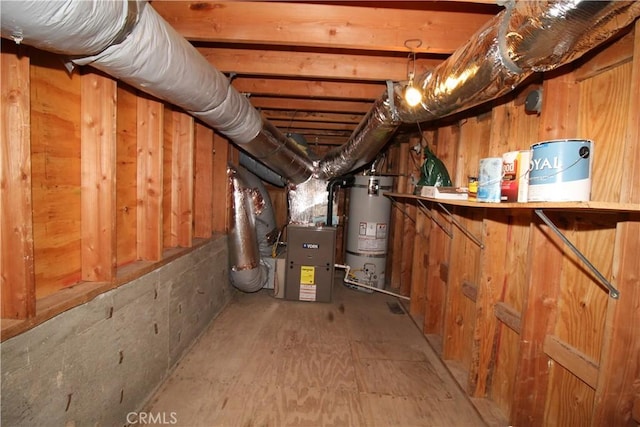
568 206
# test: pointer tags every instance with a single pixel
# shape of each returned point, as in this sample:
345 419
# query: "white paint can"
560 171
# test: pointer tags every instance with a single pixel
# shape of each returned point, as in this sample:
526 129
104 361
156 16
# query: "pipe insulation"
131 42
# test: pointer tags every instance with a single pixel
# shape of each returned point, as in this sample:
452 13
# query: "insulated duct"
527 37
131 42
252 232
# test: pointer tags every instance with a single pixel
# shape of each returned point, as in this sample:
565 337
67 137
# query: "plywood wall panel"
446 142
570 400
603 118
463 267
618 397
583 300
126 174
55 148
17 278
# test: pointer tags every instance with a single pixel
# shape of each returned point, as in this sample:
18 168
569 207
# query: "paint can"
489 178
560 171
515 176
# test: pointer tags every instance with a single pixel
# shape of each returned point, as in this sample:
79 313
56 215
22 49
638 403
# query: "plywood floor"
353 362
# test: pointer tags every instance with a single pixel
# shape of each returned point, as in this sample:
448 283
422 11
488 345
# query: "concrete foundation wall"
96 363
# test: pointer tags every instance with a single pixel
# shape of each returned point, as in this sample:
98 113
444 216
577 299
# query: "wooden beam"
181 211
203 185
398 218
98 165
469 290
316 117
149 180
292 125
576 362
320 105
340 66
220 192
308 88
508 316
617 392
317 25
16 223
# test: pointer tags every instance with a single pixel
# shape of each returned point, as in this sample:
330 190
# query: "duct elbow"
250 280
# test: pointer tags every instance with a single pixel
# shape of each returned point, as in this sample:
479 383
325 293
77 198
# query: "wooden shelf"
568 206
538 208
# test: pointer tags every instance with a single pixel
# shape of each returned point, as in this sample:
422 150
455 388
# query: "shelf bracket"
397 205
462 227
428 213
613 292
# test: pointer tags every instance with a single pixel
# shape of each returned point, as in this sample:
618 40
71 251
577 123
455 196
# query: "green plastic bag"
433 172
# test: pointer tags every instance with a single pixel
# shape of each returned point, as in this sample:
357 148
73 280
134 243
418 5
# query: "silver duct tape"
308 202
365 142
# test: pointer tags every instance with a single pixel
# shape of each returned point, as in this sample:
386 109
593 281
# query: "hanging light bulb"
412 94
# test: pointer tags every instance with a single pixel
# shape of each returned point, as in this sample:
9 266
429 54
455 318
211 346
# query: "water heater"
368 229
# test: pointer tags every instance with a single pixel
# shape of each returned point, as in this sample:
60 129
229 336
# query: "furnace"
310 263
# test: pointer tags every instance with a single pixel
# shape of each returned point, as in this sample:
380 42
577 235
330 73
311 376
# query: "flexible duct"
252 232
527 37
131 42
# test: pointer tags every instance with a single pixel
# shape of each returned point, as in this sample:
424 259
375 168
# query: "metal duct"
252 232
131 42
527 37
135 45
260 170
